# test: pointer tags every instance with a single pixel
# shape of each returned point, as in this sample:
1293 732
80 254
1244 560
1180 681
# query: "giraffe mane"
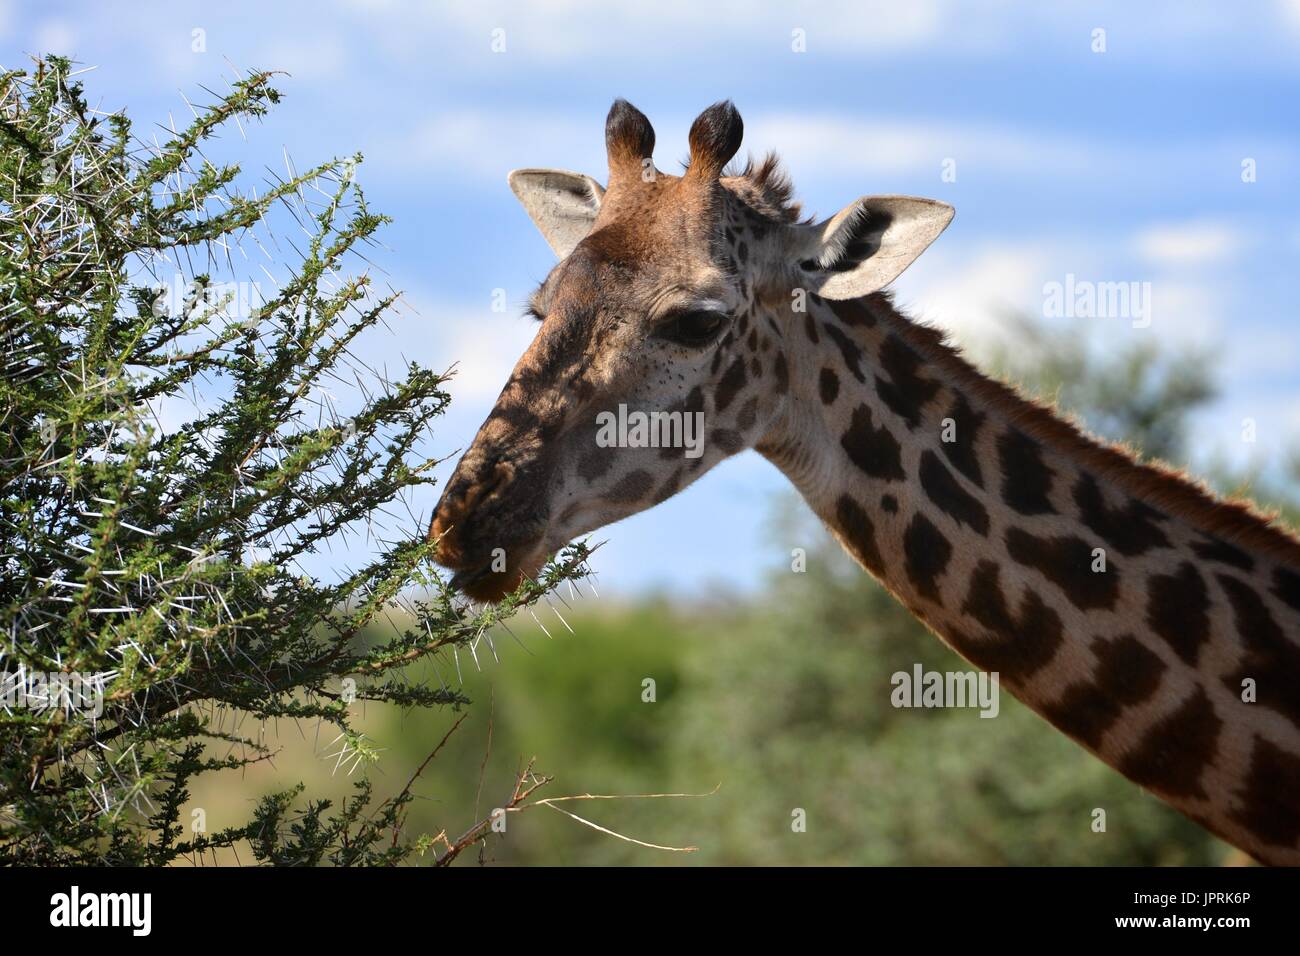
1236 520
766 187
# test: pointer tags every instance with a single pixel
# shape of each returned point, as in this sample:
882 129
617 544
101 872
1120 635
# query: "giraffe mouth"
492 534
465 578
486 581
486 572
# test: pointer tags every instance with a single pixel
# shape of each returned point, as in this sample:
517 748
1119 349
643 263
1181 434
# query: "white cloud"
1189 243
485 345
830 143
1188 310
562 29
559 31
835 143
969 291
1262 351
1289 11
485 144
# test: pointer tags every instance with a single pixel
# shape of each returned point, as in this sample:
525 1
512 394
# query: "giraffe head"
665 339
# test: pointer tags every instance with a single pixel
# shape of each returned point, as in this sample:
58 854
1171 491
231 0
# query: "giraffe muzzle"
490 526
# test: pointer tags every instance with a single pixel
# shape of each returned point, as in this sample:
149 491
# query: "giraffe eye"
693 329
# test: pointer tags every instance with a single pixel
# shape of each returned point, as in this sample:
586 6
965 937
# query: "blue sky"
1123 165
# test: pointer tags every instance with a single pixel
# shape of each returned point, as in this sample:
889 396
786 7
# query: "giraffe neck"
1154 625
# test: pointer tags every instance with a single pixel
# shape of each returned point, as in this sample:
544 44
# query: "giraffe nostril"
467 490
489 488
460 502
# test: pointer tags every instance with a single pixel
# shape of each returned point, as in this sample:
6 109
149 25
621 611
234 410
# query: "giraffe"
982 511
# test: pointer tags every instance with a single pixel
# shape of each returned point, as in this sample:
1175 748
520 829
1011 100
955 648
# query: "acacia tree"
151 577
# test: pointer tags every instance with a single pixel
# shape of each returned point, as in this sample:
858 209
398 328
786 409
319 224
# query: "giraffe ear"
563 205
868 244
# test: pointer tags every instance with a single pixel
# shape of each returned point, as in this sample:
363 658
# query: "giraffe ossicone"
707 295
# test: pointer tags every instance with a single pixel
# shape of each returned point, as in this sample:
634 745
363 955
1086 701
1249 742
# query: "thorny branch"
171 450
